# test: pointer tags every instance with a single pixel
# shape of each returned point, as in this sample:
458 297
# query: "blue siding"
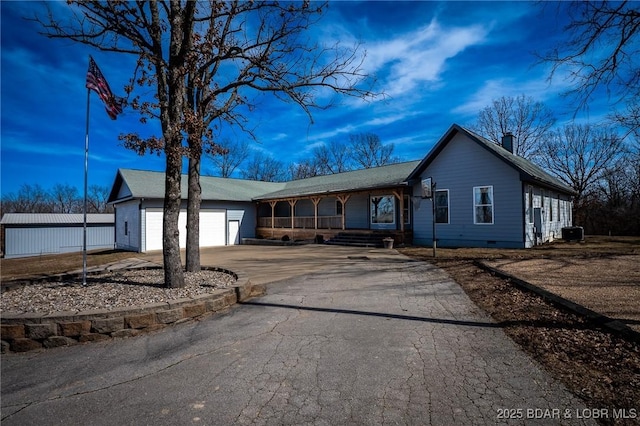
357 212
327 207
461 166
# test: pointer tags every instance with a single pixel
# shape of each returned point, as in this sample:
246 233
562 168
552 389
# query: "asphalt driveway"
369 337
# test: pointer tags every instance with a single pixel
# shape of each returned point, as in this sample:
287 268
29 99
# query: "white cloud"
535 85
419 56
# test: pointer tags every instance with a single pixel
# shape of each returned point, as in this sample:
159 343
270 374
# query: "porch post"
273 216
315 201
343 199
292 203
400 196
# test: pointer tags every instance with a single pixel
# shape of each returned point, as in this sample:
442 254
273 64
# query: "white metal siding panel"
235 218
241 211
128 213
35 241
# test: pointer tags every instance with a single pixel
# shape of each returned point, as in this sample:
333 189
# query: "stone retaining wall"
25 332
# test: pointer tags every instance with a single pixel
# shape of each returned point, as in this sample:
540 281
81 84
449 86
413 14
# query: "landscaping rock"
107 325
40 331
75 329
12 331
24 345
56 341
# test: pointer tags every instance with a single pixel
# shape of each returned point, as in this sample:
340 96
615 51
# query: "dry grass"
593 246
601 368
37 266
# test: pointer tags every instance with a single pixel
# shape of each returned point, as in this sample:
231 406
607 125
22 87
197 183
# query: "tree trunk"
193 214
173 272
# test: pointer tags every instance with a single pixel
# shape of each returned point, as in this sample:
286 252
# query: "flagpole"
86 172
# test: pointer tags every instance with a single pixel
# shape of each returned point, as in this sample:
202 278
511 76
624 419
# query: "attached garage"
212 228
227 211
35 234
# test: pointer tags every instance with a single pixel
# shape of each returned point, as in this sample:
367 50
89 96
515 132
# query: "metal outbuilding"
34 234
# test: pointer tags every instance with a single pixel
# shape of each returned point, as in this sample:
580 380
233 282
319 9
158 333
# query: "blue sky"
438 62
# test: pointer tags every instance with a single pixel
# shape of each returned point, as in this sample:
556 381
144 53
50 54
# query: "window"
126 228
483 205
442 206
338 208
550 206
407 210
530 204
383 209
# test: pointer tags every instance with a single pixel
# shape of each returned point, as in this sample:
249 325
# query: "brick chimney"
507 142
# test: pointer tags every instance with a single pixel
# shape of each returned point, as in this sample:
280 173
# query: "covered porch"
378 213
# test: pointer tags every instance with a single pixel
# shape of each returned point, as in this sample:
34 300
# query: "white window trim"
394 210
530 204
448 206
493 205
407 206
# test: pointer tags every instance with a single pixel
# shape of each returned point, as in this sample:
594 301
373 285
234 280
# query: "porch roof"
356 180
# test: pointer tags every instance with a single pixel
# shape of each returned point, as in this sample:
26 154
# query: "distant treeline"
61 198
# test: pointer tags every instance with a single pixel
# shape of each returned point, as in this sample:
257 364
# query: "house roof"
55 218
529 172
364 179
147 184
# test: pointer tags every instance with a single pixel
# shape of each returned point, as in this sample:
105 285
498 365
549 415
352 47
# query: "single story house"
485 196
35 234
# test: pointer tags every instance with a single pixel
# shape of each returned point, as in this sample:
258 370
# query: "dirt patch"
39 266
601 368
607 285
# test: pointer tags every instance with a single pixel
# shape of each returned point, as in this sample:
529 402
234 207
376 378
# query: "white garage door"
212 229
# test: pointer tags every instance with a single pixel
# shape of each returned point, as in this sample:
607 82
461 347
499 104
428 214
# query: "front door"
234 233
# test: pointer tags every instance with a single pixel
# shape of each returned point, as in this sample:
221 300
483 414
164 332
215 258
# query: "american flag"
97 82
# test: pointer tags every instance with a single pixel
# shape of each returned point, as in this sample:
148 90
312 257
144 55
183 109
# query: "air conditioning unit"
573 233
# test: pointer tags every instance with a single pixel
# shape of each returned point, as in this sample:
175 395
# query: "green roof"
377 177
147 184
529 172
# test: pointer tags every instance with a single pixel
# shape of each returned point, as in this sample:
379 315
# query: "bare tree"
528 120
368 151
242 48
600 49
204 58
97 199
231 156
304 169
264 168
332 157
65 198
579 155
28 199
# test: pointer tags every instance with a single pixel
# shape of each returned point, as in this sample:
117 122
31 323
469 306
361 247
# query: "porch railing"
303 222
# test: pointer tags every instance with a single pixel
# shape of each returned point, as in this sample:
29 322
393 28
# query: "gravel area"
113 290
